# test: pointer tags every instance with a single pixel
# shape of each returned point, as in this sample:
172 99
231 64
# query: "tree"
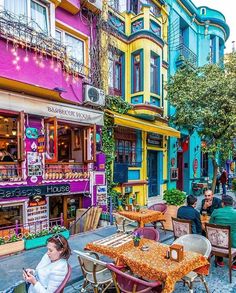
205 102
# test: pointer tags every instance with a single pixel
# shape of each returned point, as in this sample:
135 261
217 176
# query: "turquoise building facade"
196 34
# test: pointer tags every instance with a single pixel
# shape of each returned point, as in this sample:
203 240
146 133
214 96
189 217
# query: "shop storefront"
48 149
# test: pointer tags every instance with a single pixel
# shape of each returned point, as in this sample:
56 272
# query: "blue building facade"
197 35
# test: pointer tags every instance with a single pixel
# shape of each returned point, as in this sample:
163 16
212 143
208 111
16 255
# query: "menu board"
102 195
37 217
34 164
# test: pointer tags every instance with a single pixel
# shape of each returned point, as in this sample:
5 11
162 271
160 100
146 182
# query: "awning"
132 122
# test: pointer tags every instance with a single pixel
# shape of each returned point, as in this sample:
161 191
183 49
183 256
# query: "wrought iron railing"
187 54
26 33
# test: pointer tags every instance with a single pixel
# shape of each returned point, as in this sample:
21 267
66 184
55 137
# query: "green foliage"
55 229
174 197
204 101
118 105
234 184
9 239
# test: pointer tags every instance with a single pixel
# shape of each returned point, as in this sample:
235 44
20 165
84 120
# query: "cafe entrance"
66 205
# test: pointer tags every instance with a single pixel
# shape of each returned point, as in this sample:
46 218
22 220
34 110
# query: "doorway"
152 173
179 183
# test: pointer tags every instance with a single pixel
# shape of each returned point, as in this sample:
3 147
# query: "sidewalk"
11 266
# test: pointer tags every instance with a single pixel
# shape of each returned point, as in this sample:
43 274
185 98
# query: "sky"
228 8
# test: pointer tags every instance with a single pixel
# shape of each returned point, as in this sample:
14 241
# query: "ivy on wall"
116 104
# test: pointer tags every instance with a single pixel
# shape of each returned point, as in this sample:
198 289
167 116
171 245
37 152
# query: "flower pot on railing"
11 244
42 240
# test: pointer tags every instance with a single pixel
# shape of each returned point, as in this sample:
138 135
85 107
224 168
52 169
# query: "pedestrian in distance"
210 203
223 180
217 190
52 269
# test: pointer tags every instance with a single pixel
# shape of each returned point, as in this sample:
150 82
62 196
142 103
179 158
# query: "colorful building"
135 41
197 35
51 162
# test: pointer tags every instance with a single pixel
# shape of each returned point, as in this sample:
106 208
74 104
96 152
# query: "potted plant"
11 244
174 199
136 238
33 240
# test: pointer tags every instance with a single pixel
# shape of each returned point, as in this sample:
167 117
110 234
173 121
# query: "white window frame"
63 33
50 8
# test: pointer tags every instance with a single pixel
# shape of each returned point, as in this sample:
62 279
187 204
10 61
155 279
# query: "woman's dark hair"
191 199
61 244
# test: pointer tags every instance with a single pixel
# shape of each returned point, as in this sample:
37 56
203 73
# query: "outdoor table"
143 216
152 264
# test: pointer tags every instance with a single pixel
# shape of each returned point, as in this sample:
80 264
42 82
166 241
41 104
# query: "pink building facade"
51 162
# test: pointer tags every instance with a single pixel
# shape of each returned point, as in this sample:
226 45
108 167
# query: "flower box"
11 247
42 241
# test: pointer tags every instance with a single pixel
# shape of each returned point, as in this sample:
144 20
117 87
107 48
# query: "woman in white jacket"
52 269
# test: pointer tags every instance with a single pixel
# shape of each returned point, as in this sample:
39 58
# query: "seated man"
210 203
226 216
189 213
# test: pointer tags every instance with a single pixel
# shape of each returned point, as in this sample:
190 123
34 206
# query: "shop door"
152 173
179 184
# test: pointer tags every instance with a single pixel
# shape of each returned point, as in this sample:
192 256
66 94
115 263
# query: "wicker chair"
199 244
124 224
94 271
220 238
181 227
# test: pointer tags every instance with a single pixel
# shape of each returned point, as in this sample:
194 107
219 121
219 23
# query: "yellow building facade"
135 39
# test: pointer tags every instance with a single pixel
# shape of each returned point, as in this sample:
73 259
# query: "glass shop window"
9 215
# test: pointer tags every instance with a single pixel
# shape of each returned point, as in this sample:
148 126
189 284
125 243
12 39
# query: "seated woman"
52 269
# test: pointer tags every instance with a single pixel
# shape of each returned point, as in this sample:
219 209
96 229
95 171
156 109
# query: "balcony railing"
185 54
26 33
60 171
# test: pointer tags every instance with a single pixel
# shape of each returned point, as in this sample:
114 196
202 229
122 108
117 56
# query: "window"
203 11
118 5
204 164
34 10
64 142
115 73
9 215
153 7
137 73
75 46
154 74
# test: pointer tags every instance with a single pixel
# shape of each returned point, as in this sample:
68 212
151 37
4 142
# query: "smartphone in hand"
25 271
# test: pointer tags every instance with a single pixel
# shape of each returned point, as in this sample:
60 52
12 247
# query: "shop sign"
41 143
24 191
155 139
31 132
37 200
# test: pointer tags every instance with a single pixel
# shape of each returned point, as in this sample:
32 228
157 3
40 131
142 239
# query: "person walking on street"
223 180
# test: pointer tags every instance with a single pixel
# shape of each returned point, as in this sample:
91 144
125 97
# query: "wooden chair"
60 289
160 207
220 238
181 227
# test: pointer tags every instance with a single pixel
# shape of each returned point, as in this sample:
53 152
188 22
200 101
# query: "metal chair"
196 243
60 289
181 227
94 271
220 238
125 282
160 207
149 233
124 224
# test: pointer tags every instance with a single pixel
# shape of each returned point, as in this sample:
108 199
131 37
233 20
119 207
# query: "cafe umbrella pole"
110 210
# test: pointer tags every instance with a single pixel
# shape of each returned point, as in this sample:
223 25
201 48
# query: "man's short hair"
227 200
191 199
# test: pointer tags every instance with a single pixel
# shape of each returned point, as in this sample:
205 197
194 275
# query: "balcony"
24 33
185 55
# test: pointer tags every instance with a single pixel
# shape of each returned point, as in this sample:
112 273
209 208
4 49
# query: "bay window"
137 71
35 12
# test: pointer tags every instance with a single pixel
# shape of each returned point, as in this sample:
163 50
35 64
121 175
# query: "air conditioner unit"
93 96
93 5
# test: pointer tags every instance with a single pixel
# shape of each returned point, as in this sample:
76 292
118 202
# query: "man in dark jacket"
210 203
190 213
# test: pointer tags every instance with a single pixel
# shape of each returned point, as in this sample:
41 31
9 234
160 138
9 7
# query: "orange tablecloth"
143 217
152 264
